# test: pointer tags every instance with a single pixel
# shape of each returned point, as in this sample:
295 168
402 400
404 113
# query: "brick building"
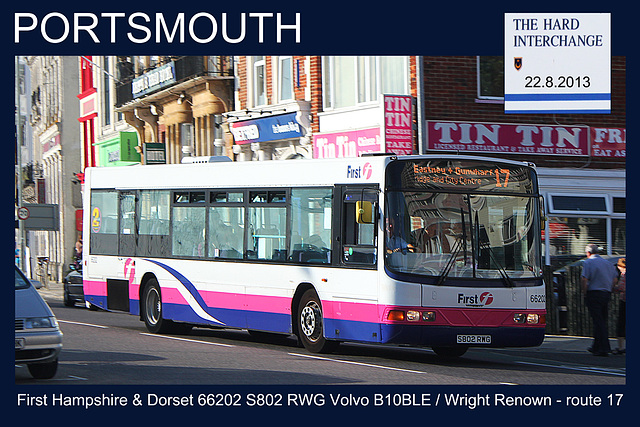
320 107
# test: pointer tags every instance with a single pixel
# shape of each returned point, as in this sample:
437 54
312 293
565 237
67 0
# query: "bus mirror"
543 214
364 212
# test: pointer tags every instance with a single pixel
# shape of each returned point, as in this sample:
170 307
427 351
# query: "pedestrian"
598 279
621 290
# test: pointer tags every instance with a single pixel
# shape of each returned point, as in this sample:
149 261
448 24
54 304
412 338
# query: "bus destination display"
462 175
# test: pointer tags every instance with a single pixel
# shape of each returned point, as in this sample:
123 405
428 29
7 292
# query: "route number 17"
505 181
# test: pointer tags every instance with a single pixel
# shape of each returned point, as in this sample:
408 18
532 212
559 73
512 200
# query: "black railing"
566 310
186 67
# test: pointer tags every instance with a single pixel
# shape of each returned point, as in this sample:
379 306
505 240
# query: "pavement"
551 344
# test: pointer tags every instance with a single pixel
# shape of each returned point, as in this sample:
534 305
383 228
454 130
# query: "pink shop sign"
347 144
398 124
609 142
508 138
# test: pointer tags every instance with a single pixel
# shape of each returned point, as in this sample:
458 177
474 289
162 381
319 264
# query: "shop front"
118 151
271 137
386 127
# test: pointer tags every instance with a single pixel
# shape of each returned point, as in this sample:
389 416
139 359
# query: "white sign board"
557 63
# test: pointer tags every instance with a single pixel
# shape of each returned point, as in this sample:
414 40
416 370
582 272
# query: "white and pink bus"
436 251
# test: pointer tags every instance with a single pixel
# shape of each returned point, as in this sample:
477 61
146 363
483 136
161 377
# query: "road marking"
73 377
579 368
83 324
185 339
356 363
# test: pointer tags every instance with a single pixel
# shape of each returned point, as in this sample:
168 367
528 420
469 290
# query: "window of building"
576 220
490 77
585 203
285 81
259 81
349 81
107 102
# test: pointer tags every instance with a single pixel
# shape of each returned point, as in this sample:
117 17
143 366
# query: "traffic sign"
23 213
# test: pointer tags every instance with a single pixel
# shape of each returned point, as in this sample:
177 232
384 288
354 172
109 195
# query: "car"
37 334
73 291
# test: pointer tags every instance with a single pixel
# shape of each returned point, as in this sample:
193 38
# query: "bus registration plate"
473 339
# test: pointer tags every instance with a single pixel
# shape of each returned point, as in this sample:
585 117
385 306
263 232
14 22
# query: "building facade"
174 104
54 121
289 107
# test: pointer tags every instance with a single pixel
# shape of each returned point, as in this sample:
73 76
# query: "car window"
21 282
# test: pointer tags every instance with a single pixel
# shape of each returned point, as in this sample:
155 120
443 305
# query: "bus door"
353 285
118 283
356 240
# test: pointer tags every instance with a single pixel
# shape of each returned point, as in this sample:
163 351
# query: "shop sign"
608 142
398 124
153 80
42 217
508 138
347 144
50 144
88 104
154 153
264 129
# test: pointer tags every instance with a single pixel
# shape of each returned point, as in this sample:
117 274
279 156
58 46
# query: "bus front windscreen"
462 235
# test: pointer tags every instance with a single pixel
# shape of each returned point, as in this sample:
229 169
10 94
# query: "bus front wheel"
310 324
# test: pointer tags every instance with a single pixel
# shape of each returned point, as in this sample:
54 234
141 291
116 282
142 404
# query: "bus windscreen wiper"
460 243
500 268
447 268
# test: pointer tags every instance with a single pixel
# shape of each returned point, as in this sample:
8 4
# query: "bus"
434 251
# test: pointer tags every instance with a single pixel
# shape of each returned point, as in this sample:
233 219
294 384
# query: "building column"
205 107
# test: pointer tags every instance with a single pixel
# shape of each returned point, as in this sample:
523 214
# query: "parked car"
73 291
37 335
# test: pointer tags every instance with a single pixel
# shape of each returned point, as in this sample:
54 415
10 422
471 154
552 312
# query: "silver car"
38 337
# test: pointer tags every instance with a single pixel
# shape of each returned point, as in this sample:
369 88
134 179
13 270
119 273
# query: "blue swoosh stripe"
188 286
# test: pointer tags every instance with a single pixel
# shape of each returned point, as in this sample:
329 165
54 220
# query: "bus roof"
305 172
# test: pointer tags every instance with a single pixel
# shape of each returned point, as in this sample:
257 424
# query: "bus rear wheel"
310 324
152 312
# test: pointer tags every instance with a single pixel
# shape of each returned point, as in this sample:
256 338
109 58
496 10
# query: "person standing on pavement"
598 279
621 290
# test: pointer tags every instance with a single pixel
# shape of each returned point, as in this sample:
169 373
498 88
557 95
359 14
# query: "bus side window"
104 222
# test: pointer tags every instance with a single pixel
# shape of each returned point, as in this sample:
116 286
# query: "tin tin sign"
557 63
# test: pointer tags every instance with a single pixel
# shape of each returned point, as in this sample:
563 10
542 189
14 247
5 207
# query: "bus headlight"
519 317
413 316
533 318
429 316
529 318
